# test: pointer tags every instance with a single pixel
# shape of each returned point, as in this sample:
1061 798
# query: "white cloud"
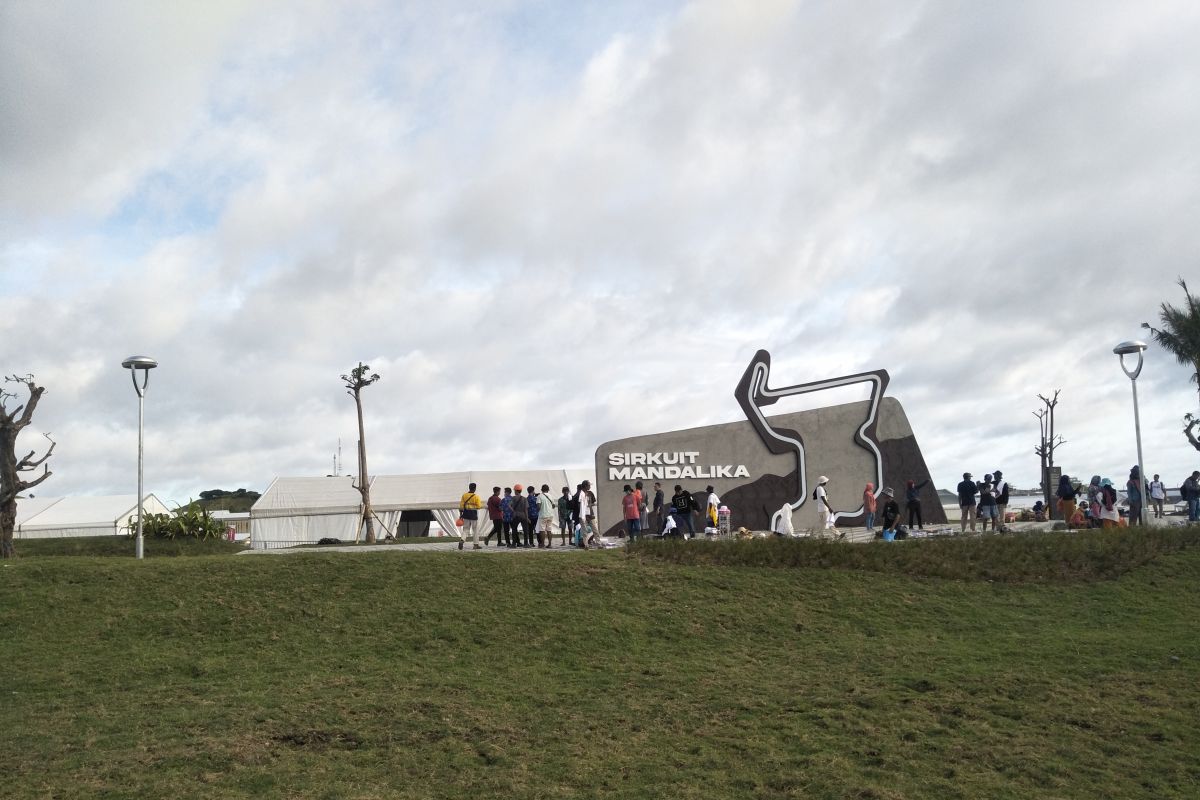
549 227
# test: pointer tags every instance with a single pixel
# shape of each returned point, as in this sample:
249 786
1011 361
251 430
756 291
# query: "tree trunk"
8 521
364 483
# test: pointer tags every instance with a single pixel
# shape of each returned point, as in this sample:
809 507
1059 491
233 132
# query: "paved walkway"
438 547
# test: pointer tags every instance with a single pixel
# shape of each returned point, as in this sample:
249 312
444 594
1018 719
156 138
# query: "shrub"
1065 556
188 521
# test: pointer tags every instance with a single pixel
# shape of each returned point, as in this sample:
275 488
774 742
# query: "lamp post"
145 364
1122 350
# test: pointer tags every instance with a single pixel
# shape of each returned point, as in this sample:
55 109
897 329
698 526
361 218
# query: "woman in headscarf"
1110 517
1093 500
1066 495
869 507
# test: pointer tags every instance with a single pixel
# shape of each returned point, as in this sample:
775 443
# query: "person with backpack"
1000 489
682 506
823 508
506 513
468 510
1189 492
583 506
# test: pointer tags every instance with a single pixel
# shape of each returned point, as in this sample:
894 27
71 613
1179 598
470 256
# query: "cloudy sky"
548 225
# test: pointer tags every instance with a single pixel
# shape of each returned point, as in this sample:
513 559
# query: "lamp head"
139 362
1129 348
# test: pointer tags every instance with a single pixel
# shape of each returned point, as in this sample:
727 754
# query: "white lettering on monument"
668 466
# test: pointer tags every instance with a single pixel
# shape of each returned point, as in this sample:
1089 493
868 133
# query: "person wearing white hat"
823 508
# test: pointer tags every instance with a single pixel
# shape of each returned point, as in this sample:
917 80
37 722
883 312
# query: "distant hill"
221 500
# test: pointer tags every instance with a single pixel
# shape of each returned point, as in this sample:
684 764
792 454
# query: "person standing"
533 516
545 518
468 508
643 507
966 502
869 506
566 525
1133 493
1000 489
824 510
987 506
1066 495
506 512
520 512
1189 492
583 507
712 508
1093 501
496 515
912 500
1158 493
682 506
659 502
629 510
1110 516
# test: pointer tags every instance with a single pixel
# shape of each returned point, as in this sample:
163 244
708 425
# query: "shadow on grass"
1028 557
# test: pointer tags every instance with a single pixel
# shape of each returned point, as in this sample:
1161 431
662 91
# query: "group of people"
983 501
524 517
1100 506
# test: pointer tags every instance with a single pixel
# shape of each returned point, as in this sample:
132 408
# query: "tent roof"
85 510
337 494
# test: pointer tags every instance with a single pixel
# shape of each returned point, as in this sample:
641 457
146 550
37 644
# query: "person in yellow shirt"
468 510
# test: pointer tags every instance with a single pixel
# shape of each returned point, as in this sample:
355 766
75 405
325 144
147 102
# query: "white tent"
51 517
304 510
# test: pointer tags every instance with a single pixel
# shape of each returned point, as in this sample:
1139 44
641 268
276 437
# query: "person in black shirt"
682 506
966 502
890 513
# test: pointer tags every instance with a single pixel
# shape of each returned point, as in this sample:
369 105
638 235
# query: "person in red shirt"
496 515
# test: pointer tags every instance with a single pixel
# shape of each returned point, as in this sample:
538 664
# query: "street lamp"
145 364
1122 350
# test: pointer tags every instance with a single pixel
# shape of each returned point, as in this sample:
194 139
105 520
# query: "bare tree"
1049 442
12 422
359 379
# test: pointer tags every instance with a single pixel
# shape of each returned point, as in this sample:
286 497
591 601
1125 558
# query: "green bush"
188 521
1069 556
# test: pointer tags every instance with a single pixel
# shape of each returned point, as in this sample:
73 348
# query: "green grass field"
461 675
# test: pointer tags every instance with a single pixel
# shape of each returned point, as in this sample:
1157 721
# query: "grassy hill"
452 675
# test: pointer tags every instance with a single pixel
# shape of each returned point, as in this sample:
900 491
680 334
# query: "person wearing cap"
468 509
966 502
1000 489
987 505
823 508
520 512
890 513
